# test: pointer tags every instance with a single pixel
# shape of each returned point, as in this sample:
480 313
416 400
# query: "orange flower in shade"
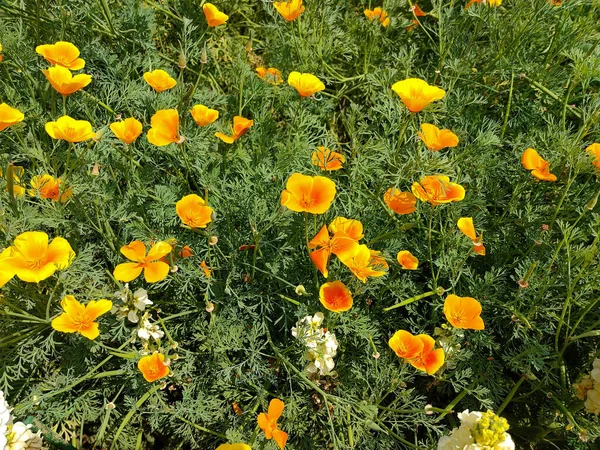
9 116
153 367
186 252
417 11
463 312
160 80
428 360
437 189
164 128
128 130
46 186
205 269
63 81
405 344
416 94
289 10
327 160
193 211
62 54
400 202
154 269
343 244
335 296
539 167
240 446
378 14
304 193
268 422
70 130
436 139
465 224
270 75
240 127
214 17
17 174
594 151
407 260
203 115
78 318
362 264
305 83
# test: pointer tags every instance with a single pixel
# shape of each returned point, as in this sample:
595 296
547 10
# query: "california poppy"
17 172
400 202
203 115
160 80
214 17
428 360
153 367
347 227
335 296
154 269
304 193
270 75
1 55
305 83
487 2
465 225
186 252
63 81
594 151
239 446
340 244
205 269
164 128
405 344
436 139
46 186
268 422
240 127
378 261
9 116
63 54
78 318
416 94
539 167
360 263
128 130
193 211
290 9
437 189
407 260
7 271
327 160
417 11
70 130
463 312
378 14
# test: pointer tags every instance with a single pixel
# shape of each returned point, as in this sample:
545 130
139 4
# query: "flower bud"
181 62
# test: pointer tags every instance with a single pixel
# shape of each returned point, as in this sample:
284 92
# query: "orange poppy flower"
46 186
539 167
62 54
405 344
240 127
203 115
341 244
153 367
465 225
436 139
193 211
463 312
268 422
304 193
289 10
400 202
593 150
378 14
63 81
270 75
437 189
205 269
347 227
327 160
154 269
128 130
335 296
7 271
9 116
416 94
70 130
17 173
417 11
240 446
407 260
78 318
186 252
305 83
378 261
164 128
160 80
414 23
429 360
214 17
361 264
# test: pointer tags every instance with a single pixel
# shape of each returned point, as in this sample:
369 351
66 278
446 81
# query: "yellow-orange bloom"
9 116
193 211
304 193
400 202
378 14
46 186
153 367
429 360
62 54
417 11
405 344
203 115
164 128
70 130
17 173
416 94
7 271
487 2
239 446
347 227
594 151
154 269
205 269
465 225
240 127
463 312
335 296
128 130
343 244
289 10
63 81
1 55
539 167
407 260
214 17
327 160
268 422
437 189
160 80
78 318
362 264
270 75
305 83
436 139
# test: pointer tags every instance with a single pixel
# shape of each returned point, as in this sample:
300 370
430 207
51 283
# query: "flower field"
299 224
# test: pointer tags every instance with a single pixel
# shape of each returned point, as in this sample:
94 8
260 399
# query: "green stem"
510 395
439 291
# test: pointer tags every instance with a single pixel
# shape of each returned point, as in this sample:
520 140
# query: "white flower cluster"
321 345
478 431
134 303
16 435
589 389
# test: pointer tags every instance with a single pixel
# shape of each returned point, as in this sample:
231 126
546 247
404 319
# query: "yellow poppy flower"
304 193
436 139
153 367
378 14
214 17
62 54
327 160
305 83
240 127
203 115
193 211
9 116
78 318
416 94
437 189
270 75
594 151
70 130
159 80
407 260
46 186
539 167
289 10
154 269
465 225
63 81
128 130
164 128
463 312
239 446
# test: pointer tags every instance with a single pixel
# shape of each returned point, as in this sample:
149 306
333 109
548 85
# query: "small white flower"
141 299
22 438
592 403
148 330
133 317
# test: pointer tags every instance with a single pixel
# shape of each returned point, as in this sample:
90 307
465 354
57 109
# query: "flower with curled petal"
268 422
63 81
63 54
539 167
9 116
305 83
416 94
154 269
70 130
160 80
78 318
128 130
289 10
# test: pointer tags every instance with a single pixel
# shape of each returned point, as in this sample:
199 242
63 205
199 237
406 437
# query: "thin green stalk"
507 112
510 395
439 291
132 411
